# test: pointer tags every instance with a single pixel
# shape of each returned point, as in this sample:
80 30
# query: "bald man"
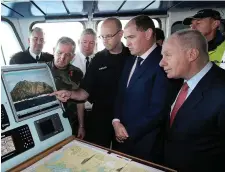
100 83
195 137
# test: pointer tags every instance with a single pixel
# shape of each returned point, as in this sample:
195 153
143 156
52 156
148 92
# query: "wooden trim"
58 146
148 163
151 164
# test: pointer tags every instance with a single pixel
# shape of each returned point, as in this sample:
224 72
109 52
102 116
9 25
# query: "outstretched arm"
64 95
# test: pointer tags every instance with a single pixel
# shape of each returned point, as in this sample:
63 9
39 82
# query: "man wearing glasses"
101 82
34 53
68 77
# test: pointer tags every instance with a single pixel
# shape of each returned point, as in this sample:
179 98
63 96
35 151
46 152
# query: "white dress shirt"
143 56
34 55
80 61
192 83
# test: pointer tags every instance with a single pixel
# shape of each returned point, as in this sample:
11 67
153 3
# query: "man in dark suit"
34 53
143 95
195 137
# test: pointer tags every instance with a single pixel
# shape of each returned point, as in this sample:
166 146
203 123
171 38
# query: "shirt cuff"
114 120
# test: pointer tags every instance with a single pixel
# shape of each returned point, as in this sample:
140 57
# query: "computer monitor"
27 88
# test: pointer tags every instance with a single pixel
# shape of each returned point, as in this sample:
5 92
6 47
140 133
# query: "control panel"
31 120
4 118
15 142
48 126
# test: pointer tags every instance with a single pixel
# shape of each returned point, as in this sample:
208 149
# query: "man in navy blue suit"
195 137
144 95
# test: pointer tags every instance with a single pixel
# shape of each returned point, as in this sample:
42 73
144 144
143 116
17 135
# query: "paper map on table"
79 157
136 167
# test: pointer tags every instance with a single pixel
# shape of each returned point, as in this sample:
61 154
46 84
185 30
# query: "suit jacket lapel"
196 95
28 52
127 70
31 57
147 64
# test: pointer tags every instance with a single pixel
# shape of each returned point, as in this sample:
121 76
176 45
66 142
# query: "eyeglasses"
109 36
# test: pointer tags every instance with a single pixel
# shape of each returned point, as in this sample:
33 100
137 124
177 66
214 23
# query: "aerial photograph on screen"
29 88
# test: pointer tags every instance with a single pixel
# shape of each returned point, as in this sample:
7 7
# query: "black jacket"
24 57
196 140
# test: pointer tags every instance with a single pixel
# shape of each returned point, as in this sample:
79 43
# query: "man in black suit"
195 135
33 54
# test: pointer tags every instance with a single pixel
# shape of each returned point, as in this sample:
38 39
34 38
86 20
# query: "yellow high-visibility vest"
217 55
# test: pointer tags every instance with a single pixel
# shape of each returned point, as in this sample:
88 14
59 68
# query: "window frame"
15 31
126 18
58 21
55 21
17 37
176 23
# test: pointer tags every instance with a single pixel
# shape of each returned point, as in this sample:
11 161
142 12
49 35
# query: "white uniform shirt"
80 61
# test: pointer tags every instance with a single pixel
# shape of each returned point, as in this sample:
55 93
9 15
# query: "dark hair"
159 34
143 23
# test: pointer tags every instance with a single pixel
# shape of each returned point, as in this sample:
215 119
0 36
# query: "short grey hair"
88 31
36 29
67 41
190 38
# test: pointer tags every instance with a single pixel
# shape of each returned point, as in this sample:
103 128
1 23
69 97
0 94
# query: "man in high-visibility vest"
207 21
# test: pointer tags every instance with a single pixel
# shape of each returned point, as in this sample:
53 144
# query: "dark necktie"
138 65
87 62
139 60
179 101
37 58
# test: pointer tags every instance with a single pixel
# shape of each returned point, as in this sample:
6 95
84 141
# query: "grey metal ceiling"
100 8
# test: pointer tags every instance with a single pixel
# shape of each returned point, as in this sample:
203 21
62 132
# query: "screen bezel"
24 67
56 121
